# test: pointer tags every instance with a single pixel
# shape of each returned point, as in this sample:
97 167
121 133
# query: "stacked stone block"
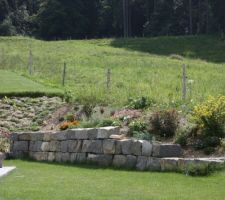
96 146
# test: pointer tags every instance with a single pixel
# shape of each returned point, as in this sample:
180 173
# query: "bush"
197 170
181 139
109 122
164 123
210 116
138 126
139 103
142 135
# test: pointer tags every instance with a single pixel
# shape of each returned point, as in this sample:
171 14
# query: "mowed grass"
38 181
139 67
13 84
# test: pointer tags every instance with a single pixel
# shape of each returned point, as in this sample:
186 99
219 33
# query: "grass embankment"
140 67
34 181
15 85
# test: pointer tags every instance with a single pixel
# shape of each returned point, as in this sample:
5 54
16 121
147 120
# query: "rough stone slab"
39 156
64 146
109 146
100 159
6 171
92 133
119 160
126 146
142 163
59 136
118 147
146 148
74 146
45 146
78 158
24 136
48 136
51 156
65 157
35 146
19 154
153 164
167 150
106 132
169 164
55 146
131 162
77 134
92 146
36 136
136 148
20 146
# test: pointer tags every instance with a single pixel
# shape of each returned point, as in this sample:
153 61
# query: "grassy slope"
34 181
139 66
12 83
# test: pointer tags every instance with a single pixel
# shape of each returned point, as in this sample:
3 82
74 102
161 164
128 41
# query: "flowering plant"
210 115
66 125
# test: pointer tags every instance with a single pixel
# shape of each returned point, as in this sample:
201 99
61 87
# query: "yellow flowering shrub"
210 115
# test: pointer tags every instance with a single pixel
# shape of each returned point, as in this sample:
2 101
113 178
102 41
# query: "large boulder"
109 146
167 150
92 146
74 146
100 159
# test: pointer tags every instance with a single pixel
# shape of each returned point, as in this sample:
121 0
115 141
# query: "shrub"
139 103
181 139
197 169
138 126
210 116
69 117
142 135
164 123
109 122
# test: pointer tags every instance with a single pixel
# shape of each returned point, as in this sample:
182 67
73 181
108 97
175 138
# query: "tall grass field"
149 67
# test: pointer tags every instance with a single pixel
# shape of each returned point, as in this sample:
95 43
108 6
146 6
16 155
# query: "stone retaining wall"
100 147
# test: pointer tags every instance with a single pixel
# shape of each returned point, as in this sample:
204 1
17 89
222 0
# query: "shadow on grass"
208 48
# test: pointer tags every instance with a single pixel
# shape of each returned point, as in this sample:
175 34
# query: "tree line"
64 19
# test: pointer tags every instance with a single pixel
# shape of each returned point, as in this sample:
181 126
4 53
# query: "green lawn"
34 181
140 67
13 84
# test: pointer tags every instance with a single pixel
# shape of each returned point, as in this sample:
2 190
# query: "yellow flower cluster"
211 111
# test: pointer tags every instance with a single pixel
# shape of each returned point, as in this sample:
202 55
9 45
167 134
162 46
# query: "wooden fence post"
108 78
30 64
184 83
64 74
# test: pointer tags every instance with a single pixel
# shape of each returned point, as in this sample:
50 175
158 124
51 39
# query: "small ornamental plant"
210 116
67 124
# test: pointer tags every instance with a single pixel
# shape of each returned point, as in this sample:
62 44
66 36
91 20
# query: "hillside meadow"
149 67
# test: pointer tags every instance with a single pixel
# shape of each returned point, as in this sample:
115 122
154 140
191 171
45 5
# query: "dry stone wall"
99 147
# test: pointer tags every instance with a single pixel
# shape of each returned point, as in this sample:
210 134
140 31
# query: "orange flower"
66 125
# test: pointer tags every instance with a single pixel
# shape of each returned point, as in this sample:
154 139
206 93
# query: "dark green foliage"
109 122
138 126
139 103
65 19
142 135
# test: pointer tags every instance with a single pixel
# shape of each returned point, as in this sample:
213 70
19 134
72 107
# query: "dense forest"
63 19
